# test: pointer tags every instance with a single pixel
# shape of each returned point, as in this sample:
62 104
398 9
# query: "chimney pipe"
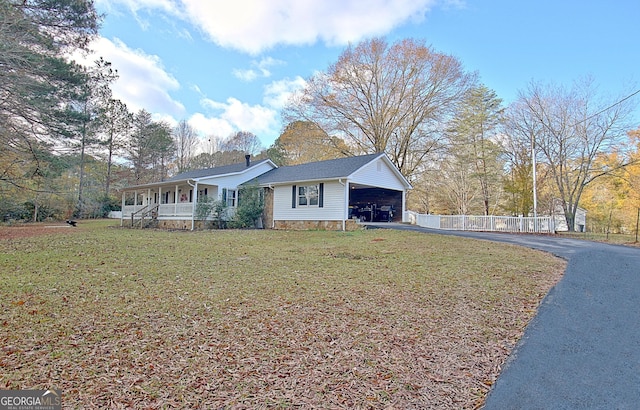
247 159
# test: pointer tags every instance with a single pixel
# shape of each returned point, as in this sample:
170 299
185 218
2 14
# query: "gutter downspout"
195 200
346 200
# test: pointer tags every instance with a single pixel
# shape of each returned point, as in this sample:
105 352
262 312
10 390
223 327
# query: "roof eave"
195 179
299 181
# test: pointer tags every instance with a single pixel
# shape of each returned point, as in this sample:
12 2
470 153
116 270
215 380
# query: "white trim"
345 206
198 179
307 197
194 199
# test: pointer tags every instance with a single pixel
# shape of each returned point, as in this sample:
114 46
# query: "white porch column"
122 209
195 202
135 201
148 196
175 201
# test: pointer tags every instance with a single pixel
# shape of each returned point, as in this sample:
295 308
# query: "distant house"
172 203
333 194
560 220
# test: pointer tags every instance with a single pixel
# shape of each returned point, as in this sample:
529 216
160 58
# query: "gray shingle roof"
225 169
330 169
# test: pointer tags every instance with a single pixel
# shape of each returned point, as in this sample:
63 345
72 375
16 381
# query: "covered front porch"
165 205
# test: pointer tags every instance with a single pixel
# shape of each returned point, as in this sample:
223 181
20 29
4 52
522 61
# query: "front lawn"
126 318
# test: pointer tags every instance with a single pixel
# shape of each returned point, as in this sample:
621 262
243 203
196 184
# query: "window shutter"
224 195
321 195
294 196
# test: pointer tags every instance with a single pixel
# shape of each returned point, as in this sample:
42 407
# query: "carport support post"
404 206
347 193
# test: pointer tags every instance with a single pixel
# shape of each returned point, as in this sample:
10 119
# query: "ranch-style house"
333 194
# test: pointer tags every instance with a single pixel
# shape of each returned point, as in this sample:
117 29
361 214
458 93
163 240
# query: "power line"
608 108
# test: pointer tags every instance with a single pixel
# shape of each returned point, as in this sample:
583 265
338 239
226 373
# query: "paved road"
582 349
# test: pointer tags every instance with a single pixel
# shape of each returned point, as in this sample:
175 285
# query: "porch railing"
149 211
178 211
182 209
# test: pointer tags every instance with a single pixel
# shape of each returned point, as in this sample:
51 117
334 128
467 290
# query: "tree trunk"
35 208
571 220
80 205
107 184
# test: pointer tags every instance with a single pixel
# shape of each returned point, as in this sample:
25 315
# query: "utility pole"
533 162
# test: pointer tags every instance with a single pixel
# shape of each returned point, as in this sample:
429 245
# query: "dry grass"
613 238
263 319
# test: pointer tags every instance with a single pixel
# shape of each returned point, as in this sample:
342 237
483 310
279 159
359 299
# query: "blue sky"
226 66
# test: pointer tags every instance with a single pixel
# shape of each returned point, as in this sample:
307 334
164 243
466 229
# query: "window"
231 197
308 195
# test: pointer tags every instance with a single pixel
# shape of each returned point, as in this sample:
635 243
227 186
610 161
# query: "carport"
374 204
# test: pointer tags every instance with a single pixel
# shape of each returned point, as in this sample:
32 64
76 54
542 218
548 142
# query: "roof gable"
329 169
216 171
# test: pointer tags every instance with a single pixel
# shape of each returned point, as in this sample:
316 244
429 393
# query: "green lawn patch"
263 319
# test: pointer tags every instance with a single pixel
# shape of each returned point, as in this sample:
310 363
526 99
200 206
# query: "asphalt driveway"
582 349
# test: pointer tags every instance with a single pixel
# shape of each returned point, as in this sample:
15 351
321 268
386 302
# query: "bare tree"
244 142
303 141
457 191
186 141
571 128
385 98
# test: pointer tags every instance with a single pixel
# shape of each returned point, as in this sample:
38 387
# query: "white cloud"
277 93
169 119
242 116
262 69
224 118
143 82
206 126
168 6
245 75
254 26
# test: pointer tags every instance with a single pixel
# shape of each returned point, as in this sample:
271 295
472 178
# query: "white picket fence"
522 224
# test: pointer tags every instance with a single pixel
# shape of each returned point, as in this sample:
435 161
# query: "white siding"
333 205
377 173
